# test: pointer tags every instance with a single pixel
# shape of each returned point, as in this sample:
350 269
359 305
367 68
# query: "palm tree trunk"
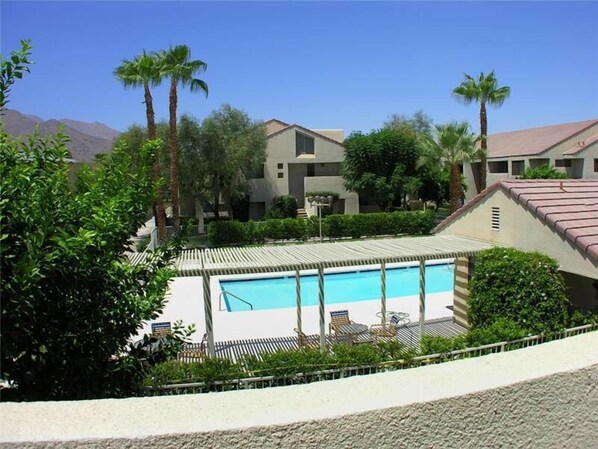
174 182
455 188
158 206
483 145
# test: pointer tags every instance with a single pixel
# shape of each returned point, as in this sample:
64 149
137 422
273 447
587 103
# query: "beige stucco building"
300 160
571 148
557 218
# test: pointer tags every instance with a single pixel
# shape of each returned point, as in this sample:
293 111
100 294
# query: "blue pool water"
279 292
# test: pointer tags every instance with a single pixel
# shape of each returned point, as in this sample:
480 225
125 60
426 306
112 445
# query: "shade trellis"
315 256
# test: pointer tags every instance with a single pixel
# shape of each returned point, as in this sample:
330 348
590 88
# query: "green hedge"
284 206
221 233
525 288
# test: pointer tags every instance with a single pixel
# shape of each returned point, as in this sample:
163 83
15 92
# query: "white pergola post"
422 297
298 293
207 305
383 292
321 301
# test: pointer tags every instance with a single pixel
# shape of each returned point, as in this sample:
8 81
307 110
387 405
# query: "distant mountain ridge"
87 139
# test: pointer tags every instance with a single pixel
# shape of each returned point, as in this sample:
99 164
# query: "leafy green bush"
525 288
543 172
211 369
338 225
284 206
230 232
502 329
254 232
579 318
286 363
432 344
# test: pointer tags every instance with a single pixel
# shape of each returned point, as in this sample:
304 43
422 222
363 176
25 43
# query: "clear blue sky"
322 65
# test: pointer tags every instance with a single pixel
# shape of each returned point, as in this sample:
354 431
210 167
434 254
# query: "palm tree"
454 144
176 63
143 71
484 90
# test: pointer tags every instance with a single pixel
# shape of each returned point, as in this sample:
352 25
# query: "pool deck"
408 335
185 302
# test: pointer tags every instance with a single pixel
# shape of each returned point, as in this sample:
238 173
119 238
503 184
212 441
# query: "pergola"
320 256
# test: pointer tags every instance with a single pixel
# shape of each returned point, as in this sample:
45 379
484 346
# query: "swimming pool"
363 285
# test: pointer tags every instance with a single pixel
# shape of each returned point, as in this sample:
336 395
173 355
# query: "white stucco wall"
544 397
520 229
282 150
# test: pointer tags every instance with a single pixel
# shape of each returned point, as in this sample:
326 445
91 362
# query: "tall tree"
176 64
12 69
144 71
420 122
381 165
232 146
484 90
454 143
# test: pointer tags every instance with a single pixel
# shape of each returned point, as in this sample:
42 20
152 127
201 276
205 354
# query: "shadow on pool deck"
408 335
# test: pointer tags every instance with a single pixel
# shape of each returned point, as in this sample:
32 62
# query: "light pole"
319 202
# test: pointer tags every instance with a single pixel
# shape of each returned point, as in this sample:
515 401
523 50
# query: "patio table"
352 330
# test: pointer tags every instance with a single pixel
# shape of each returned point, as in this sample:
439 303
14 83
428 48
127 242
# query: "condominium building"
571 147
300 161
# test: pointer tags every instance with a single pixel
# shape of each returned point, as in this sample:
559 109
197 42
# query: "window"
595 165
280 174
517 168
280 166
496 218
498 167
304 144
311 170
562 163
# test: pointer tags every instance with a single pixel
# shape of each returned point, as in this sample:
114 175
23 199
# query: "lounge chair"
338 318
339 321
386 330
193 352
304 341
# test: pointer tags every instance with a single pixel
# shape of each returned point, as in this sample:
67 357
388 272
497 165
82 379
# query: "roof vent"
496 218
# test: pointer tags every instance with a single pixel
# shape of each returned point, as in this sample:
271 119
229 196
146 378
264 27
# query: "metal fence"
254 382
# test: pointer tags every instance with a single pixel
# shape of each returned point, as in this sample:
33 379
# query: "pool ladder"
234 296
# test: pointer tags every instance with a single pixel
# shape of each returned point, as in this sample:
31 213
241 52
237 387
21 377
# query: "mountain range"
86 139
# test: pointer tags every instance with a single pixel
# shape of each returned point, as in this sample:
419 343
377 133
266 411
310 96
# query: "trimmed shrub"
502 329
221 233
525 288
254 232
284 206
432 344
274 229
211 369
338 225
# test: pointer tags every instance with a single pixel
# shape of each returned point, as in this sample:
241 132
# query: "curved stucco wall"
540 397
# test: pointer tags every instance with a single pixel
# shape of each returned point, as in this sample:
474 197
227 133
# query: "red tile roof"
569 207
533 141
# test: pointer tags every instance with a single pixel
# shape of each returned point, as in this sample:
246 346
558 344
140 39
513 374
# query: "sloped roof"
582 145
569 207
303 129
533 141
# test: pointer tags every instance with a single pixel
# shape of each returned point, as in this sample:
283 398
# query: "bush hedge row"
221 233
524 287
